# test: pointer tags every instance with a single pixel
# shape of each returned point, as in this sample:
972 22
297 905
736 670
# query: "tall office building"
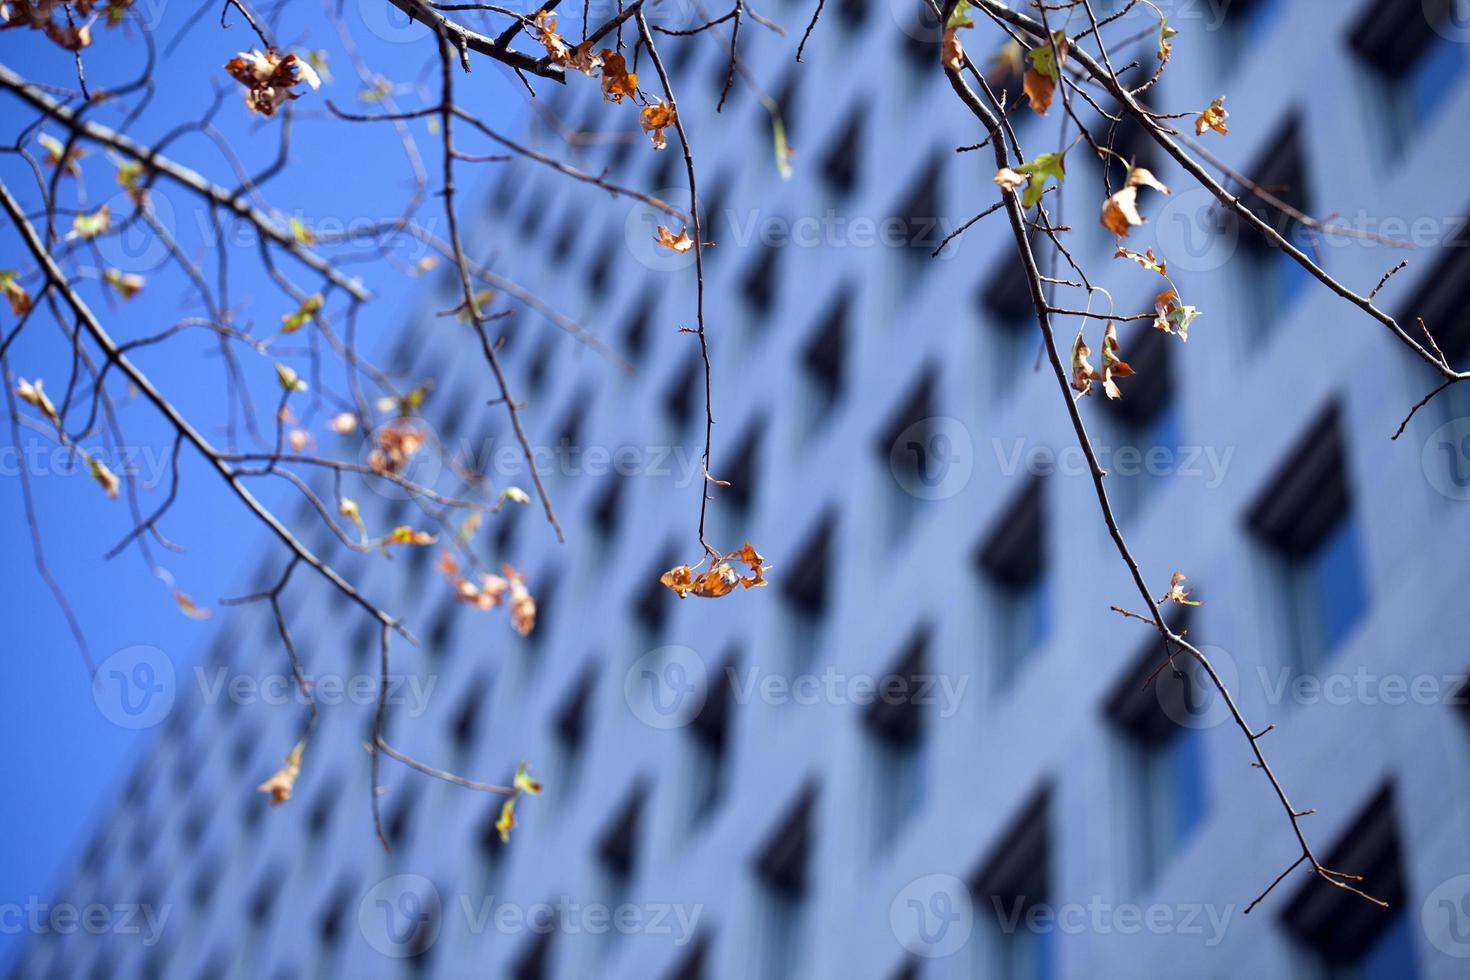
928 748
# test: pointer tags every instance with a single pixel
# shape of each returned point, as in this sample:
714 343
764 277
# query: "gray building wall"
825 848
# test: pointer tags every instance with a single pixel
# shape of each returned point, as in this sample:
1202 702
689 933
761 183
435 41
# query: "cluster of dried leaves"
491 590
721 578
617 82
270 78
68 24
1084 375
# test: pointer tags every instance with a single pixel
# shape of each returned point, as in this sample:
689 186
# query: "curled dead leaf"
1178 593
1039 90
617 82
1120 212
1145 259
1008 180
1113 365
655 118
1143 177
952 53
679 243
1213 117
721 579
270 78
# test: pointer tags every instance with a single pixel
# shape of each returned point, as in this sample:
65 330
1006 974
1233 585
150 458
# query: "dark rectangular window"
693 965
1351 938
570 729
894 723
920 37
680 397
1131 147
709 734
1443 301
1304 518
1270 277
783 869
806 594
1415 59
464 726
822 360
913 455
841 163
1159 725
535 960
1012 564
636 327
652 604
607 512
1246 23
1012 342
743 473
1145 419
921 210
761 282
617 855
1014 879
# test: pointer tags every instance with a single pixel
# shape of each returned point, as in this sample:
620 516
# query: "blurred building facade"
928 748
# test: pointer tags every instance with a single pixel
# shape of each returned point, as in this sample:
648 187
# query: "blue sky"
66 762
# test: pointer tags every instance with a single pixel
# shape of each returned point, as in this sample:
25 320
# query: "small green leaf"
1044 166
1044 59
1165 32
292 322
88 226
